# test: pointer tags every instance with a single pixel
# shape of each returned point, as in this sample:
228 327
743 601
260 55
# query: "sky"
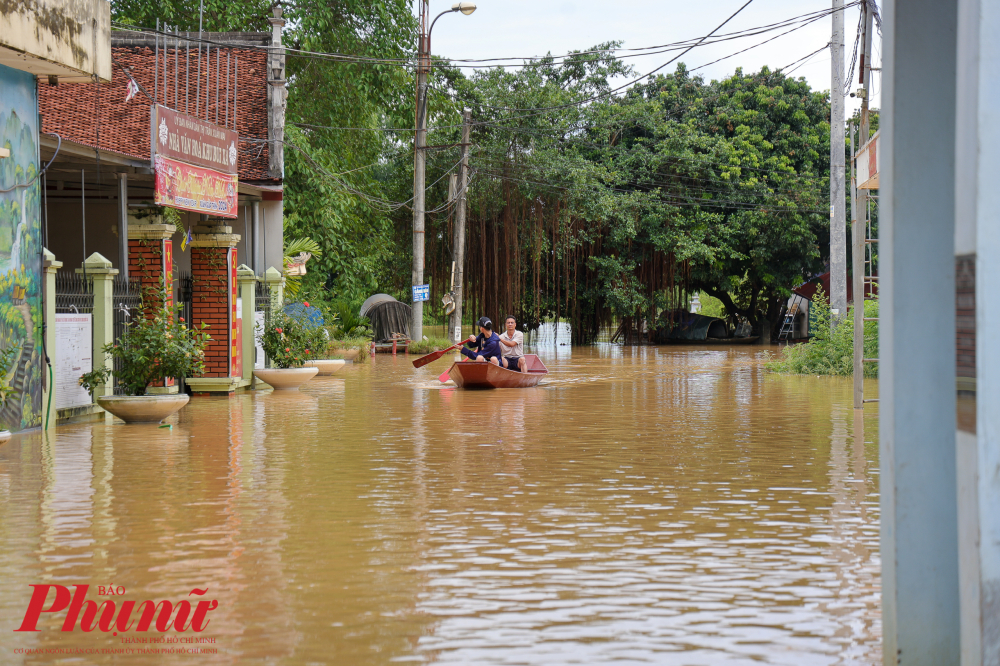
501 28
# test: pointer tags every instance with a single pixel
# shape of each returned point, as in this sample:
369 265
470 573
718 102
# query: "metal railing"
262 299
74 293
185 296
126 300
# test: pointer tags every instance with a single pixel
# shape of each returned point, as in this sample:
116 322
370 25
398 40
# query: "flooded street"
655 505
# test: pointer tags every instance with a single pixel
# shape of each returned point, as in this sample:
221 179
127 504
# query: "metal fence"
74 293
262 299
185 296
126 302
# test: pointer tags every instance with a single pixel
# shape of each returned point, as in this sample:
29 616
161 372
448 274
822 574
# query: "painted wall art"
20 249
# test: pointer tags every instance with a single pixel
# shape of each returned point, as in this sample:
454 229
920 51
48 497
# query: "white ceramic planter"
285 379
142 408
5 435
326 367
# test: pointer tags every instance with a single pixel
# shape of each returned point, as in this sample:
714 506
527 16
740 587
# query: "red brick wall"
210 304
965 315
145 261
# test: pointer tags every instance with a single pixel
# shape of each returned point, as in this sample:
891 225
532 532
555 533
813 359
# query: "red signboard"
193 141
168 270
187 187
234 337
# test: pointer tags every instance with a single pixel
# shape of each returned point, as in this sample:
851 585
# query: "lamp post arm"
431 29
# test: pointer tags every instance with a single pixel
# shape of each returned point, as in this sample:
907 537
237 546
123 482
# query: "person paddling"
513 346
487 344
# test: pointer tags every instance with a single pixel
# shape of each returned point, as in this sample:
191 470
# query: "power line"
527 61
803 59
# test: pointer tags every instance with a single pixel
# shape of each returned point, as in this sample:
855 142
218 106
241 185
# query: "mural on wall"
20 249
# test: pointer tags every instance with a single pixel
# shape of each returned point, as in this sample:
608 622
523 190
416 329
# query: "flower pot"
326 366
348 354
285 379
142 408
5 435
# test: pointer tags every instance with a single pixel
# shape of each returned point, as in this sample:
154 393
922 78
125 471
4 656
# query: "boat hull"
474 375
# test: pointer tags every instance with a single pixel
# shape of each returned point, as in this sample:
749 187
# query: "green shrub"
288 343
155 345
335 348
830 352
429 345
711 306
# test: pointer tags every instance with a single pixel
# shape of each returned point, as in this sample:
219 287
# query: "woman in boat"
513 346
487 344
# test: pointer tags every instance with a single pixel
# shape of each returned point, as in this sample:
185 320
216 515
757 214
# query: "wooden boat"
474 375
714 341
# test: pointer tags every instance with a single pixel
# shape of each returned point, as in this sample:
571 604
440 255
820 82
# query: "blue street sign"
421 292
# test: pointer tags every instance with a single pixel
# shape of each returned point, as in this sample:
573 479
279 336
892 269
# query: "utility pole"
459 237
838 228
866 75
419 166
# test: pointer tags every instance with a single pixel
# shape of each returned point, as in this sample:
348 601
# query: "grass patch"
429 345
830 352
337 348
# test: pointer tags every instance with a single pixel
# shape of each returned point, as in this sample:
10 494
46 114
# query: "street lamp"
420 156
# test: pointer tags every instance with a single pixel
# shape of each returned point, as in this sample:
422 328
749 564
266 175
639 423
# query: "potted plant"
6 365
156 345
288 344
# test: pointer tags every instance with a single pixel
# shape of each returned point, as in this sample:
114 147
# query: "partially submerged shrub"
830 352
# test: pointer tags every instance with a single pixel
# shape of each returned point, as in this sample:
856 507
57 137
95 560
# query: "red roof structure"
809 289
97 115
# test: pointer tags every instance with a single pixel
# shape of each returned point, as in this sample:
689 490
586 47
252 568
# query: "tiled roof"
70 109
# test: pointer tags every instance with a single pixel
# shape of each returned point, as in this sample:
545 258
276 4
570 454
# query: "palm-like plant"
298 251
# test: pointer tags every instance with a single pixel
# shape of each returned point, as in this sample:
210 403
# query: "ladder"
788 325
867 281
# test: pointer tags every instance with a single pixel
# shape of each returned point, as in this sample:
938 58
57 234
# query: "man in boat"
487 344
512 341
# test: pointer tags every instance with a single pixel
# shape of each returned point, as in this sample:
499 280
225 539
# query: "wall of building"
67 38
272 220
20 249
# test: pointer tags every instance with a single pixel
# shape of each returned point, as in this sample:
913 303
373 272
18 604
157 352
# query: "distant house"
804 294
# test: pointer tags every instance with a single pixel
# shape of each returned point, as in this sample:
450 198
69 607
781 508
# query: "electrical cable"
411 61
803 59
771 39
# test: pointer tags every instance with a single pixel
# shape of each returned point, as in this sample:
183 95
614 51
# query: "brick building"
100 188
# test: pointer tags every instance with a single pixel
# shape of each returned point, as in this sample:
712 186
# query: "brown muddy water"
642 506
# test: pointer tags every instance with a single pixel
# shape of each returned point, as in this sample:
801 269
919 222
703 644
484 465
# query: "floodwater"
642 506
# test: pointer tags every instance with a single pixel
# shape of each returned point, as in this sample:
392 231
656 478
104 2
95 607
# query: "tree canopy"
584 203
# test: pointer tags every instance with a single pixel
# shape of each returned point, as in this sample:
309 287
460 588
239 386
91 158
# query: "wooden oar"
433 356
443 377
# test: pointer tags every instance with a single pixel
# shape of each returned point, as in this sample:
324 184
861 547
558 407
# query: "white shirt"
518 348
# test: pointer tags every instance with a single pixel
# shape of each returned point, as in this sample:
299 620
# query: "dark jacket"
486 347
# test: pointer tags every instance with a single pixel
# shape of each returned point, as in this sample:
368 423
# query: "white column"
920 600
987 239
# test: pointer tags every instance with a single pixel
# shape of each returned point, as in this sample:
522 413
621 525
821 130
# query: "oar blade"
444 377
430 358
433 356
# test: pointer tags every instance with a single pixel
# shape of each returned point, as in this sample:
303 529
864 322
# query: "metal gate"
74 294
126 302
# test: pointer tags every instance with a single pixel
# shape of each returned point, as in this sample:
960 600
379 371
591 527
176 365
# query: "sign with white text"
193 141
72 358
421 292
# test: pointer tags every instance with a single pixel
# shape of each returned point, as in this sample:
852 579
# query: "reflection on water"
642 505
